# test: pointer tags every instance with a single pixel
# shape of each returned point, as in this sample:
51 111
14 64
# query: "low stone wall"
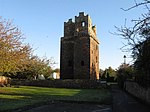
138 91
60 83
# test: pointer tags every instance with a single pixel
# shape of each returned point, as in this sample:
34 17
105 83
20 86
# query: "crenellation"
81 14
77 61
94 29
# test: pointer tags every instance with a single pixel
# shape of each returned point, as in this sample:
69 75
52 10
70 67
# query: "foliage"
142 64
14 54
101 74
109 74
16 58
37 67
13 98
124 72
57 70
137 41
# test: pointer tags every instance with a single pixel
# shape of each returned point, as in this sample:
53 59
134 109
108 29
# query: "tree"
35 67
57 70
142 64
16 58
101 74
137 41
124 72
109 74
14 54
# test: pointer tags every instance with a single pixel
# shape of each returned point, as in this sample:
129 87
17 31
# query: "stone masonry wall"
138 91
60 83
79 56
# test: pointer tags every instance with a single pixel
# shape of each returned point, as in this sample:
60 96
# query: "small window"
96 59
92 65
83 23
96 47
70 63
82 63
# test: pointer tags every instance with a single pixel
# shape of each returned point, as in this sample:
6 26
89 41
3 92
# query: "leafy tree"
104 74
37 66
13 52
124 72
16 58
109 74
57 70
101 74
142 64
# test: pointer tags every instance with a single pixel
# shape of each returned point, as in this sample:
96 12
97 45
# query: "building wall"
82 58
67 59
79 49
94 57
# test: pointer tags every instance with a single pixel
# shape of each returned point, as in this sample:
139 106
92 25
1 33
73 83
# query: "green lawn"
12 98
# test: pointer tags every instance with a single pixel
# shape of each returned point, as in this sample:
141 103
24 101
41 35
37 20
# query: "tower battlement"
79 49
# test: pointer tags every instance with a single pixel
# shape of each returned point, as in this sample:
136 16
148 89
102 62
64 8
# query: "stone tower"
79 57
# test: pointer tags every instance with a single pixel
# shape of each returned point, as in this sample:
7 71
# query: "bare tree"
135 35
138 42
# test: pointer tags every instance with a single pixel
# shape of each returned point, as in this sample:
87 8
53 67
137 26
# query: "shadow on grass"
29 97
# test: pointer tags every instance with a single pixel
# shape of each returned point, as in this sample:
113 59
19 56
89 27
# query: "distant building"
56 75
79 57
41 77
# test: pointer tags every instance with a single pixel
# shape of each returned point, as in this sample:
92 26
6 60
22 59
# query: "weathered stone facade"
79 57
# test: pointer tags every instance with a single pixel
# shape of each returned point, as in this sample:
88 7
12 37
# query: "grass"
13 98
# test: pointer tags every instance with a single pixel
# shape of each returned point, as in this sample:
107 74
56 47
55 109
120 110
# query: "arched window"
83 23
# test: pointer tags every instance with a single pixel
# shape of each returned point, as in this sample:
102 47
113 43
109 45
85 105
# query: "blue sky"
42 23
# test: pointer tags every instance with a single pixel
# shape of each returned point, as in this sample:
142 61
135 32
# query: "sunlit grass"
11 98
